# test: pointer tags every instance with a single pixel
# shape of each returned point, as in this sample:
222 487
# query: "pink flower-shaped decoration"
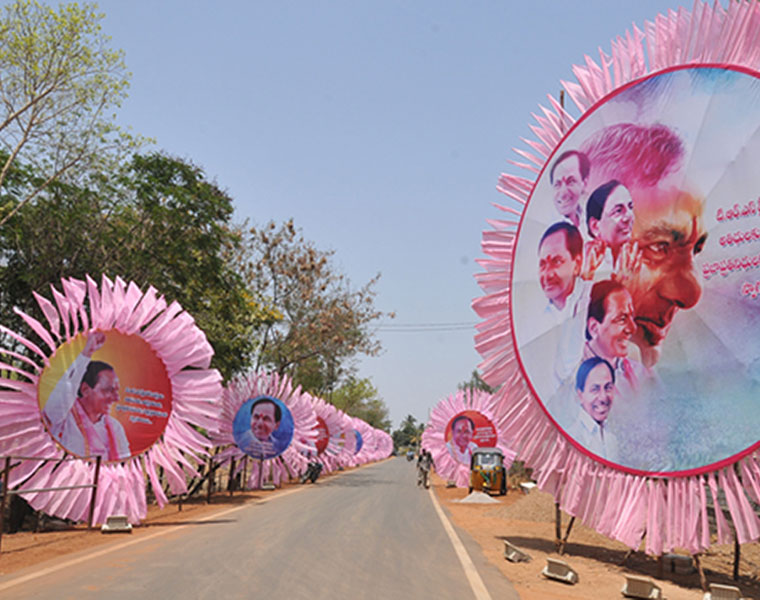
364 435
331 435
457 425
278 452
382 445
629 428
120 375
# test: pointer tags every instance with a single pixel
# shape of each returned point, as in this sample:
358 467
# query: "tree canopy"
322 322
158 222
408 434
59 84
359 398
476 383
77 198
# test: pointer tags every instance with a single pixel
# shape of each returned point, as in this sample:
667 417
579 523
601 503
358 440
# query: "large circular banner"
636 279
466 431
263 427
105 393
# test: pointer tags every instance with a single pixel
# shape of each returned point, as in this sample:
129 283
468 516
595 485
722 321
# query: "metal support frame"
6 492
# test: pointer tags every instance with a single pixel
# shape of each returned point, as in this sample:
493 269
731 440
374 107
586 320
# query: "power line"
425 327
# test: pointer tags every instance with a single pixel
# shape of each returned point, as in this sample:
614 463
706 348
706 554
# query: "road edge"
14 581
473 577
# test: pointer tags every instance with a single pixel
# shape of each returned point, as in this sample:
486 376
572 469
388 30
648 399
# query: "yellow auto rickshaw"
487 473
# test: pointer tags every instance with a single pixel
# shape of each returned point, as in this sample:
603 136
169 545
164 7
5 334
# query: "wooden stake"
3 501
737 556
567 534
626 557
700 570
209 481
230 478
94 494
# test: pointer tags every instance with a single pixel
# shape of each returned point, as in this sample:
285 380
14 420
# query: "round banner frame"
476 407
105 393
619 498
651 280
334 454
84 308
238 399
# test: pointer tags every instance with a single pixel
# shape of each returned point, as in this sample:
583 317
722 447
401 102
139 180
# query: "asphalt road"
370 533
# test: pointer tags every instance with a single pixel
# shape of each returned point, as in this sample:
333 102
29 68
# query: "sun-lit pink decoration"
294 460
84 306
671 511
333 418
383 445
361 454
374 443
346 456
434 435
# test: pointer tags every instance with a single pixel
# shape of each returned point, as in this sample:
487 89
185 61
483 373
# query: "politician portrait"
263 427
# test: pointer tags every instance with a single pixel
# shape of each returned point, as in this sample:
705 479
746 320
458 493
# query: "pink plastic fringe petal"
434 435
176 340
291 461
670 512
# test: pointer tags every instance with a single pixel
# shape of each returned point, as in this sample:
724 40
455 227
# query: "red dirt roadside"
526 520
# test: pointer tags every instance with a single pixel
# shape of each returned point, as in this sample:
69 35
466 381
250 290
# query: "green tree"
159 222
60 82
324 323
408 434
359 398
476 383
176 234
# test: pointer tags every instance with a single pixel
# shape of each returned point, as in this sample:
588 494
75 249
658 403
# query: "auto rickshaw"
487 473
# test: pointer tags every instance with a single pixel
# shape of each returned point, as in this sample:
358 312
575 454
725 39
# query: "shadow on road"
356 481
224 498
176 523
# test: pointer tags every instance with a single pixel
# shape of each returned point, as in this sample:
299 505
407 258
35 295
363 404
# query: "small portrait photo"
466 431
263 427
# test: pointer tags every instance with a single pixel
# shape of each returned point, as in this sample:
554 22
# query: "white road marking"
473 577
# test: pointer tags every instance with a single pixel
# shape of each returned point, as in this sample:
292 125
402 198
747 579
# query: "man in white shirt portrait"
460 445
260 441
569 177
595 390
609 328
560 259
77 412
609 218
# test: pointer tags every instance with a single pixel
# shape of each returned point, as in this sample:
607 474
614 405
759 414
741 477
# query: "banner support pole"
94 494
6 475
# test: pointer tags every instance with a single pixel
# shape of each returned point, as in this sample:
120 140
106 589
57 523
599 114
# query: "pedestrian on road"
423 468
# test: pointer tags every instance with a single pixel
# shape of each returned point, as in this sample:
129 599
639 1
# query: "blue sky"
380 127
